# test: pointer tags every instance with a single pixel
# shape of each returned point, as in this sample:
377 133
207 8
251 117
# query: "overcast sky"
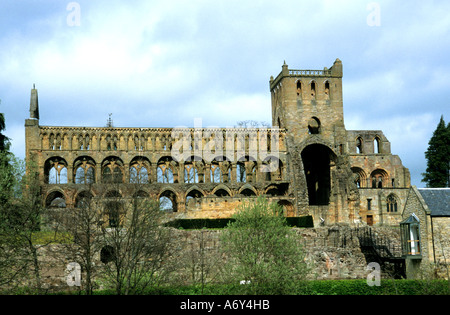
165 63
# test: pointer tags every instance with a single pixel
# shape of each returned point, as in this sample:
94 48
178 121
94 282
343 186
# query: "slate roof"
438 200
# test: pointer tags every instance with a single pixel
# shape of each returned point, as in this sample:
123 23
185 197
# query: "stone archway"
317 160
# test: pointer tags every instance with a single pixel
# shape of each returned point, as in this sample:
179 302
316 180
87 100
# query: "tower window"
327 90
314 126
313 90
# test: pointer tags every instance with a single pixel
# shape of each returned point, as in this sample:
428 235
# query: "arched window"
112 171
376 145
193 199
216 173
168 201
327 90
139 171
241 176
299 88
55 200
379 178
359 176
190 173
247 192
84 171
166 170
391 204
313 90
359 145
164 174
56 171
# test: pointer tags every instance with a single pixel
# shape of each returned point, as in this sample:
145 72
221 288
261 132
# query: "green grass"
319 287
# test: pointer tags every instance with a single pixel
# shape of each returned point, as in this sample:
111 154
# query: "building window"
190 174
359 145
241 173
313 90
376 145
314 126
391 204
56 171
369 204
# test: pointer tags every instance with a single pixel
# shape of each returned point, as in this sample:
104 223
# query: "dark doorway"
316 161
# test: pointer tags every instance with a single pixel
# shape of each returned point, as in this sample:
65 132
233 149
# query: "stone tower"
308 104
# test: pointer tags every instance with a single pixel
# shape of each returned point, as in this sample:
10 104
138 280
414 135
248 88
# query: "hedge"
301 222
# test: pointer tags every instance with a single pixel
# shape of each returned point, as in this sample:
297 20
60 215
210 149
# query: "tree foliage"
263 251
438 157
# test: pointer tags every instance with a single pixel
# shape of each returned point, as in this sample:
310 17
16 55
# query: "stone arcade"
322 169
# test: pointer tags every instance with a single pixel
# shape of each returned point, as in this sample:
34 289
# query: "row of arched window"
166 170
312 87
168 199
360 146
237 138
378 178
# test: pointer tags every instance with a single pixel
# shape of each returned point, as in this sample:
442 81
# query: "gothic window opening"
112 143
190 173
247 192
139 171
299 89
56 171
55 199
193 199
379 178
216 173
241 174
313 90
164 174
84 171
359 145
327 90
376 145
391 204
359 177
112 171
168 201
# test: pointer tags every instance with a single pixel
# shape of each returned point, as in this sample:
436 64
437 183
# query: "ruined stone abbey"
307 162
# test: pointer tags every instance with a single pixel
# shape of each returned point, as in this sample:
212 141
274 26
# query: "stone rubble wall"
333 252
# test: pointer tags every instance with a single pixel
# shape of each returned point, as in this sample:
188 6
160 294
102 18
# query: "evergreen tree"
4 141
438 157
5 167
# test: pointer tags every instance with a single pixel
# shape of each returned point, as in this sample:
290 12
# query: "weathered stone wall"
332 252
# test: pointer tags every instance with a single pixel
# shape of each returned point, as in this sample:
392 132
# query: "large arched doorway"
316 162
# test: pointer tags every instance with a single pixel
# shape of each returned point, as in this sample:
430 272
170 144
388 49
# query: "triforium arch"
317 160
